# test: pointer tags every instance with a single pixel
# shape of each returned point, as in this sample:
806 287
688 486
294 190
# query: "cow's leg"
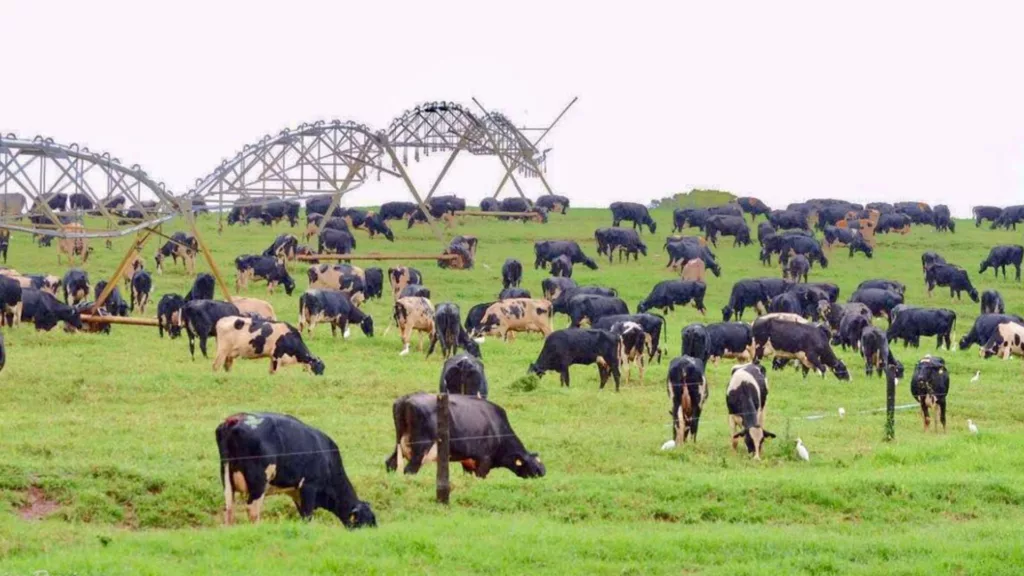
406 337
305 500
345 331
229 497
924 412
257 491
202 345
941 409
564 376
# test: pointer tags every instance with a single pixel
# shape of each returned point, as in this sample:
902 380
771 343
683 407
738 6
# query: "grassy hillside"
108 463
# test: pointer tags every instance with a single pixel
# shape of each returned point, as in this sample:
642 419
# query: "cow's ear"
740 434
768 434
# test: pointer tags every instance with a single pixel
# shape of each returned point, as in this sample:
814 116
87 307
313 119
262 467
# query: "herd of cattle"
798 322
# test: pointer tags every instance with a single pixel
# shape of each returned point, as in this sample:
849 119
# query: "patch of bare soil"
37 505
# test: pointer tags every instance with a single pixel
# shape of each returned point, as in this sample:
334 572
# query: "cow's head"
715 269
361 516
973 294
287 281
754 439
642 247
486 325
534 369
472 347
727 313
823 260
993 346
527 465
366 324
642 307
316 365
839 369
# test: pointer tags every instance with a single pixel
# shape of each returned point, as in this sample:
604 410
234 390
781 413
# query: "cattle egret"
977 376
972 427
842 412
668 445
801 450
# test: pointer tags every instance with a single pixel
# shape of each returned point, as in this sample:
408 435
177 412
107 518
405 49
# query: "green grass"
118 431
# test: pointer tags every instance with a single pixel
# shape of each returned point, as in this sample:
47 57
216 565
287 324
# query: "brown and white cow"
401 276
413 313
694 270
517 315
248 305
1007 340
241 337
134 265
339 277
182 246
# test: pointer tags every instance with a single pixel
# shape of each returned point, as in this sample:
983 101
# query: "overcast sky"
780 100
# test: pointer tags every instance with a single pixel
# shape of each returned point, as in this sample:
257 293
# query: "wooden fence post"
443 449
890 404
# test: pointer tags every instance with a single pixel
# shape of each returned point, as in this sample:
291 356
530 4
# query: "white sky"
781 100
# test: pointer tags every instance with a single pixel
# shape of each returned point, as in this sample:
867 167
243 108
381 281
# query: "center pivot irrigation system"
64 183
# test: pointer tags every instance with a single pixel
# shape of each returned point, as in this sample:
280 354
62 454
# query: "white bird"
842 412
801 450
977 376
668 445
972 427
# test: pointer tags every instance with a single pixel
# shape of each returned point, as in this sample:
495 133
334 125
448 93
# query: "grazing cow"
553 203
625 241
745 294
992 302
668 293
481 438
851 327
514 293
800 244
893 222
243 337
397 210
411 314
879 300
320 204
798 268
515 204
942 219
335 242
735 226
929 259
373 279
786 302
1001 257
375 225
490 205
729 340
463 374
892 285
516 315
449 331
168 314
930 386
632 212
182 246
414 290
696 342
552 287
511 273
349 279
142 286
909 323
202 288
465 248
1010 217
475 317
200 317
76 286
80 201
729 209
283 247
561 304
591 308
982 213
563 348
693 271
688 390
753 206
401 276
264 453
1007 340
683 250
265 268
438 206
919 212
44 311
115 302
746 398
695 217
984 327
634 344
561 267
332 306
547 250
874 348
788 219
952 276
808 343
10 300
652 324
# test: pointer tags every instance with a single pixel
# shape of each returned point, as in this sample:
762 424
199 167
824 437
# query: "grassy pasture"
108 463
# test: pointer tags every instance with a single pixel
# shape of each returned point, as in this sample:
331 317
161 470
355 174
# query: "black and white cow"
626 241
591 308
746 398
334 307
335 242
632 212
687 390
481 437
284 246
930 386
180 245
652 324
1006 341
807 343
264 453
667 294
547 250
76 286
267 268
982 213
879 300
874 348
10 300
735 226
552 287
463 374
909 323
634 346
511 273
44 310
256 337
992 302
475 316
1002 256
115 302
984 327
952 276
563 348
168 314
199 317
449 332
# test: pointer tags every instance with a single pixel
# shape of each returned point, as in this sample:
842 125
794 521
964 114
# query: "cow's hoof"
478 340
668 445
403 352
346 333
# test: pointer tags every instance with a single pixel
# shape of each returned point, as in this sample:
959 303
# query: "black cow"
515 204
984 327
475 316
10 297
668 293
199 317
397 210
561 267
695 217
262 453
729 209
553 287
942 219
735 226
373 282
753 206
930 386
880 301
168 311
1001 257
874 348
788 219
547 250
746 398
786 302
831 215
57 201
115 302
563 348
490 205
1011 216
511 273
682 250
765 230
463 374
320 204
335 241
632 212
893 222
882 207
625 241
80 201
561 304
76 286
554 203
982 213
592 308
830 290
414 290
695 342
909 323
808 343
277 210
514 293
798 268
141 287
44 310
449 331
919 212
730 340
754 293
893 285
688 390
851 328
652 324
334 306
809 297
374 225
992 302
952 276
202 288
481 437
264 268
800 244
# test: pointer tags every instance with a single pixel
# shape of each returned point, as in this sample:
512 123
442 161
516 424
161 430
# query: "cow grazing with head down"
553 287
746 398
683 250
753 206
463 374
942 219
553 203
874 348
683 217
76 286
449 332
475 317
1009 217
561 267
283 247
992 302
1002 256
984 327
267 268
200 317
806 343
401 276
44 311
243 337
547 250
952 276
511 273
688 390
652 324
168 314
625 241
632 212
180 245
564 348
909 323
263 453
397 210
481 437
413 314
982 213
516 315
1006 340
667 294
202 288
751 294
930 386
508 293
735 226
335 307
115 302
880 301
591 308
